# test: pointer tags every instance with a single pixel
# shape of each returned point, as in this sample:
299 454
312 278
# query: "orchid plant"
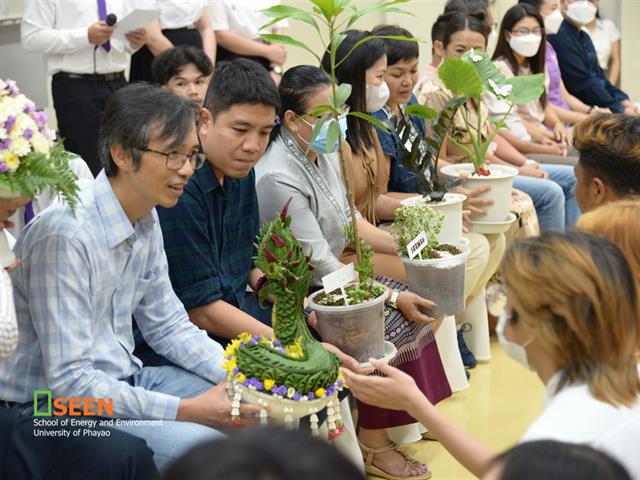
469 78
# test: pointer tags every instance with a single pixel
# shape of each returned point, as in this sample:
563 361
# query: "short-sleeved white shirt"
574 415
176 13
242 17
603 36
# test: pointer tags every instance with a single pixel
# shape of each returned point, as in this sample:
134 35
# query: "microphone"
111 19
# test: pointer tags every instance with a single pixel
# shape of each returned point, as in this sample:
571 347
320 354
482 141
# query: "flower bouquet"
30 159
290 375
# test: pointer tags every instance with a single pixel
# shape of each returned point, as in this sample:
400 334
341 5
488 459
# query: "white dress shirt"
242 17
574 415
59 29
603 36
177 13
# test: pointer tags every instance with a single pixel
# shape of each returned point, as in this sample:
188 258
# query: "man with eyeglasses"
209 235
84 274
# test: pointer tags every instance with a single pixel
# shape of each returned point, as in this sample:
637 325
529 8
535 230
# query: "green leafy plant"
468 78
328 18
410 221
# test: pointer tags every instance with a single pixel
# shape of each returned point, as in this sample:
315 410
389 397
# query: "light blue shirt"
81 280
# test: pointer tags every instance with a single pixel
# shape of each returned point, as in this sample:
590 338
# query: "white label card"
339 279
415 246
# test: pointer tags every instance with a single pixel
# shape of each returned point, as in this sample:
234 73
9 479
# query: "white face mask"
582 12
514 350
377 96
525 45
553 21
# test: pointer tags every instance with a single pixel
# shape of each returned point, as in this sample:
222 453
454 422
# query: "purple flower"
4 144
28 133
9 123
297 396
13 89
311 395
330 391
4 168
282 390
276 343
29 107
236 370
40 118
340 383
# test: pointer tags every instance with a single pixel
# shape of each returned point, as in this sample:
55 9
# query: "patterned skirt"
417 356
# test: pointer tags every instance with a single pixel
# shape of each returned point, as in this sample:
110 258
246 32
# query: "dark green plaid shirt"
208 238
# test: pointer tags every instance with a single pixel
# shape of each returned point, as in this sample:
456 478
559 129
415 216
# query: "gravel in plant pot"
437 272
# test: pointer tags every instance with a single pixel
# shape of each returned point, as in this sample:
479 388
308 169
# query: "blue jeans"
554 199
173 438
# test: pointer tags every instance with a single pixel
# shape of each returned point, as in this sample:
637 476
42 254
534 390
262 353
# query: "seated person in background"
551 187
485 250
263 453
521 51
553 460
609 165
237 27
568 108
436 36
562 292
578 61
185 70
85 273
209 234
606 40
308 173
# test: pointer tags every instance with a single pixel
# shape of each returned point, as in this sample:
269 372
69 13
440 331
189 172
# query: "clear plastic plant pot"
357 330
440 280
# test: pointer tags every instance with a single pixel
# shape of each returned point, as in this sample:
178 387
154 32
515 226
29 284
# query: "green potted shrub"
468 78
437 271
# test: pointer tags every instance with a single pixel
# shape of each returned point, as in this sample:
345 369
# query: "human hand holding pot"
472 203
396 390
409 305
347 361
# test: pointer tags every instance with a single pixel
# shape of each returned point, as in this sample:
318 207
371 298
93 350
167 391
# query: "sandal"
373 470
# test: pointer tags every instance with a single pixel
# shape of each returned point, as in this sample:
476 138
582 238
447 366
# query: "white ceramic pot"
357 330
501 182
451 206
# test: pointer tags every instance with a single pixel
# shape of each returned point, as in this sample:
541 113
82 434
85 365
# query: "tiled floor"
501 402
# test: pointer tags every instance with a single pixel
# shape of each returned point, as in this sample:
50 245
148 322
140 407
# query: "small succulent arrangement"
412 220
469 78
366 289
30 159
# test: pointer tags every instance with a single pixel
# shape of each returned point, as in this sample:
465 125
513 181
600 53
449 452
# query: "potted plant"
437 271
327 18
291 374
421 155
468 78
30 159
353 318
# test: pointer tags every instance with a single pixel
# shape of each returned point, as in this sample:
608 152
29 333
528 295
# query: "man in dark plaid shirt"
209 235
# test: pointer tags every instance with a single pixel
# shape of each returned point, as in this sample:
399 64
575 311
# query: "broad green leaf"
370 119
279 12
337 40
460 77
499 123
321 110
327 8
379 8
526 88
420 111
342 94
333 133
287 40
486 69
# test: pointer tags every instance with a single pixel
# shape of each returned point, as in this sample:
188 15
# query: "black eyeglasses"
177 160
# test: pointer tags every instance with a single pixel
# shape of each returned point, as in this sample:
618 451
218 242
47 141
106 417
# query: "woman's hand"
347 361
409 305
396 390
560 133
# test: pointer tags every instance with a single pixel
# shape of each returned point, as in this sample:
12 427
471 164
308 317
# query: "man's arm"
227 321
156 42
58 287
205 29
39 34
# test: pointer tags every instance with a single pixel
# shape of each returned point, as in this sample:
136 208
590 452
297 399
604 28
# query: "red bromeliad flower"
483 172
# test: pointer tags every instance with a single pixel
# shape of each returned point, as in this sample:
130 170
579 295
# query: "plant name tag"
415 246
339 279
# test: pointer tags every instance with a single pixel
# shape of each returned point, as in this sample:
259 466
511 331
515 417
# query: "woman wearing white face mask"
521 51
573 319
568 108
